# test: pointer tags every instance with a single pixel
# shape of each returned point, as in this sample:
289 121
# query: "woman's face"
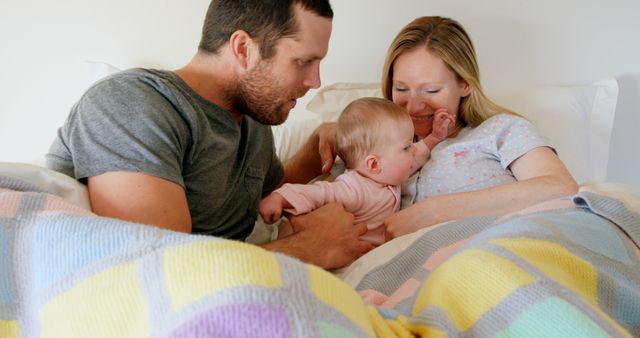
422 83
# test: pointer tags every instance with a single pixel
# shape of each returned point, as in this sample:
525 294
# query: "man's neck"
210 77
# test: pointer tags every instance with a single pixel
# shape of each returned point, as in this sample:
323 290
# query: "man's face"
269 90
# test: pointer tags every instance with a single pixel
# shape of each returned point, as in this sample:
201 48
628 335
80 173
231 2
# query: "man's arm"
315 157
140 198
327 237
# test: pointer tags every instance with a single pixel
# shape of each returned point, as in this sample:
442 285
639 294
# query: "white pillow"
576 120
49 181
291 135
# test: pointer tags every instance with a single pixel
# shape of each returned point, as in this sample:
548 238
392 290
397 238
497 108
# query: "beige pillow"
330 100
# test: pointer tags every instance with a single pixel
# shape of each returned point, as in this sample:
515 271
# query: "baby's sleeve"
308 197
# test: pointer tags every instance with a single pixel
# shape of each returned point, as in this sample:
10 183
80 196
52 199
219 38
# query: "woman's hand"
411 219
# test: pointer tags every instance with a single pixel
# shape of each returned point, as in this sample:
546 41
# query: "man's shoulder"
133 87
135 77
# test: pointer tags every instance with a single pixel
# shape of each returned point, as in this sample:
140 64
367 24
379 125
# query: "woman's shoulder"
496 126
504 121
505 118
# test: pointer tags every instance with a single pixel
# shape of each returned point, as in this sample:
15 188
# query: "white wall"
520 44
44 46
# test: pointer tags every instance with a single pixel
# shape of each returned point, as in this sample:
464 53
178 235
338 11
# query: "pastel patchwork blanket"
65 272
567 270
564 268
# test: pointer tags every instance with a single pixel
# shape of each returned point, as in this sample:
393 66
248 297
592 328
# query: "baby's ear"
372 162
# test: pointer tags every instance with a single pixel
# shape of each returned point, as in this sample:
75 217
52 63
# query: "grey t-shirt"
150 121
477 158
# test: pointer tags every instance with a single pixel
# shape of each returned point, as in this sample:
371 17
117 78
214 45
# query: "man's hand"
325 237
327 145
315 157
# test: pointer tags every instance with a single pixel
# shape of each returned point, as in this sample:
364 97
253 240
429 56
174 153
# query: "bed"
567 268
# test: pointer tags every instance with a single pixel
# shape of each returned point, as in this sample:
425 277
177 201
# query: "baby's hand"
271 208
441 123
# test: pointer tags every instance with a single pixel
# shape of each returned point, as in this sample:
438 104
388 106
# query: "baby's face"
397 156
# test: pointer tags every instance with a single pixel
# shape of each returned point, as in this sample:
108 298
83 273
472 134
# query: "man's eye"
304 62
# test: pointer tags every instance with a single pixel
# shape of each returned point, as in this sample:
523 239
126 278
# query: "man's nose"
312 80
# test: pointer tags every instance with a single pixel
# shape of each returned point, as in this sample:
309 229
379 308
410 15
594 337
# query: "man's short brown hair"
266 21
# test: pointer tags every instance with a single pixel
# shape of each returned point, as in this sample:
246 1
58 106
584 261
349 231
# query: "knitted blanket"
565 270
65 272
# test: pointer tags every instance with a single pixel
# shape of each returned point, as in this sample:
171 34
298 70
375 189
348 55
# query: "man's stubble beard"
261 96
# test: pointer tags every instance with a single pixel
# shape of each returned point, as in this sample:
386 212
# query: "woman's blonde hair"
362 126
448 40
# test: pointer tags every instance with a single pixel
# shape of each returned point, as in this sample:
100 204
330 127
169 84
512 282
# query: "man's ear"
244 49
372 162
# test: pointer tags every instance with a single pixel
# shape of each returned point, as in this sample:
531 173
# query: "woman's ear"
244 49
466 88
372 162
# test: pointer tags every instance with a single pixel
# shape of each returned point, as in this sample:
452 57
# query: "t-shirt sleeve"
124 124
274 175
515 137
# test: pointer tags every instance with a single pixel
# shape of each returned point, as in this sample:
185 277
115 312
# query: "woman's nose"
414 105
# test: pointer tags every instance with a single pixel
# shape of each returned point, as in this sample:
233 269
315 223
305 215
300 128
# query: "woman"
492 162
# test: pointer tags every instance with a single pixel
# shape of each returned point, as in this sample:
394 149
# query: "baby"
374 138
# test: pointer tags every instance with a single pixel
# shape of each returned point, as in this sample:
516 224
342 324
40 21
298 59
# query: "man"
192 150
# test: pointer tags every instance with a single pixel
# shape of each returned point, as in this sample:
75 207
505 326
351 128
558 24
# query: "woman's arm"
540 176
